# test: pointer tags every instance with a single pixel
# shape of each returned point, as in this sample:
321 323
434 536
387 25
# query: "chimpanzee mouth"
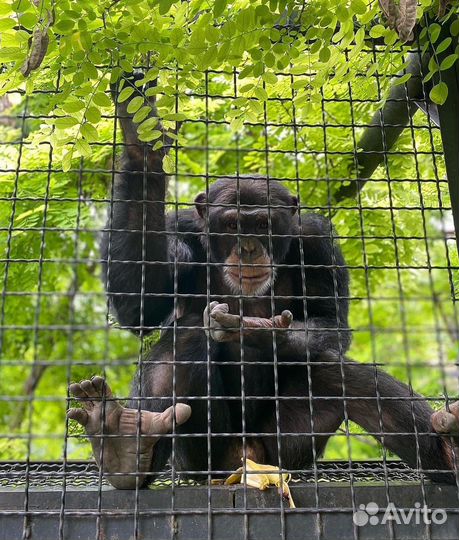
253 284
257 278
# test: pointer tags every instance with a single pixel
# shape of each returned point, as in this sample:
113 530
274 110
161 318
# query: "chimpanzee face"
248 239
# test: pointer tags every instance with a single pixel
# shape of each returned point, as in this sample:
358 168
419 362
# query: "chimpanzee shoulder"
188 229
320 240
316 224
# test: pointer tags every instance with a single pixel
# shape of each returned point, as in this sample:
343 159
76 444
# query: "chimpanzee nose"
248 247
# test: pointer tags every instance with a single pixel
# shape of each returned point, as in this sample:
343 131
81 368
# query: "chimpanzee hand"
219 324
222 326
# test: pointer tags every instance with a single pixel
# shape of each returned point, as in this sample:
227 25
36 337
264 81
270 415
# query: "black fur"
145 267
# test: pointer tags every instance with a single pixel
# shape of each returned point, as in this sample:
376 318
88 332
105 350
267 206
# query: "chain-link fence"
228 292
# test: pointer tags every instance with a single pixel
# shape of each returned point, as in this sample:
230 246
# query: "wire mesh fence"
236 304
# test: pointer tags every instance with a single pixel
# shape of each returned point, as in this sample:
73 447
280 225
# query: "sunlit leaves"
65 122
439 93
323 46
135 104
219 7
448 62
168 164
125 94
101 99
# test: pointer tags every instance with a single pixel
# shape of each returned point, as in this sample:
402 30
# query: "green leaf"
72 106
141 114
219 7
89 132
454 28
149 135
67 160
246 88
439 93
177 117
102 99
264 43
125 94
402 80
428 76
443 45
148 124
64 26
245 72
258 69
135 104
164 6
5 9
261 93
28 20
433 66
270 60
358 6
65 122
83 148
324 55
316 46
7 24
377 31
168 164
448 62
93 115
434 32
269 77
89 70
125 65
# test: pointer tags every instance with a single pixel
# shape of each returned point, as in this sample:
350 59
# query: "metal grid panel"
397 237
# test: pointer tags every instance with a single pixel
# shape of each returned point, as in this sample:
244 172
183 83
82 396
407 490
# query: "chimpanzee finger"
286 318
226 319
159 423
215 307
78 392
90 389
101 386
80 415
206 314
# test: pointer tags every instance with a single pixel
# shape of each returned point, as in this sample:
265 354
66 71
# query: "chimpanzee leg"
186 377
387 409
304 426
164 379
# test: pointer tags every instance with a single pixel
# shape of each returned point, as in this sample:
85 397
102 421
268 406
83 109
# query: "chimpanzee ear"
294 205
200 203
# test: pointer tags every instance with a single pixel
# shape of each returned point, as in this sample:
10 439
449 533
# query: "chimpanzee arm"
399 418
309 327
320 322
135 247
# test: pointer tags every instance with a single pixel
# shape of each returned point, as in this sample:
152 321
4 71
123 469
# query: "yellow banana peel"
262 476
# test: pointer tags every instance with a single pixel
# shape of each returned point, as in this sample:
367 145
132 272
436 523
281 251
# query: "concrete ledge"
324 511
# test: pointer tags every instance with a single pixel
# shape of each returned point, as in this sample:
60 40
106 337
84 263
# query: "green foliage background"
226 69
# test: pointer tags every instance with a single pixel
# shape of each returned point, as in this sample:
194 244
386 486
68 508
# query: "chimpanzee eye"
232 225
263 225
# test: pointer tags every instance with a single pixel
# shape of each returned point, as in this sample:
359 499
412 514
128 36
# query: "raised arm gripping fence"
384 173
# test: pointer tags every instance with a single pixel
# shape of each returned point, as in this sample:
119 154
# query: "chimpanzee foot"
446 423
123 458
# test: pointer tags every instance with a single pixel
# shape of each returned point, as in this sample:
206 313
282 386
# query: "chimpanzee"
252 299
